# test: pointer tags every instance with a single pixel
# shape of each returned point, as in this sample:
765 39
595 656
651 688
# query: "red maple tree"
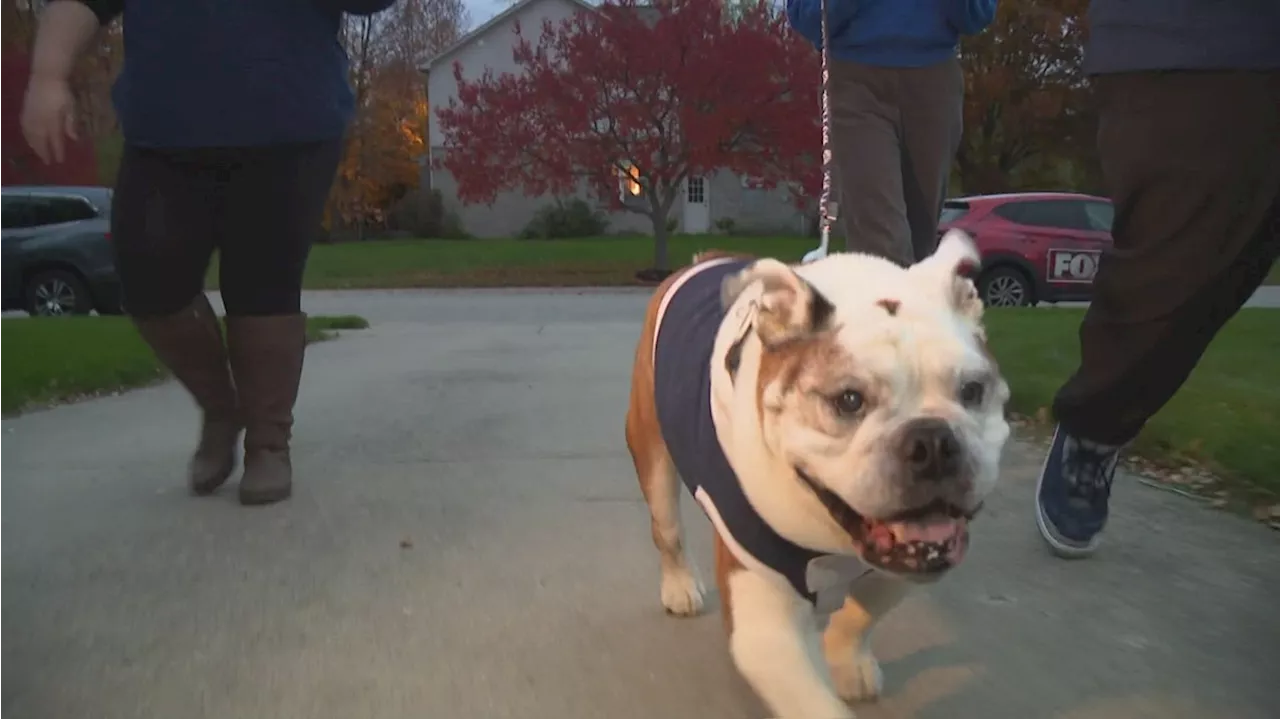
630 100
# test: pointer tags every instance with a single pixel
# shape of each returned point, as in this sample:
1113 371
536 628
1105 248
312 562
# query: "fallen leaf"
406 543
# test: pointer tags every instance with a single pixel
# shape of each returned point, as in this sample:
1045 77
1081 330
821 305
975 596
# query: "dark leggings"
260 207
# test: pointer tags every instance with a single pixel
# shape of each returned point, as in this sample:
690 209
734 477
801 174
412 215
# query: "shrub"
451 227
418 212
108 150
725 225
562 220
421 213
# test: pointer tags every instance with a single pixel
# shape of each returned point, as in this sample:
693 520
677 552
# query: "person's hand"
48 114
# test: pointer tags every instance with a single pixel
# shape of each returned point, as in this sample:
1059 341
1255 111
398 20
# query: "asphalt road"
467 541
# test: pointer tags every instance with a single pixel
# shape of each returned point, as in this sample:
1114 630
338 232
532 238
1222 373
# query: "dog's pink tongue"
932 531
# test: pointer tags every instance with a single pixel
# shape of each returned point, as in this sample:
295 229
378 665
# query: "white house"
705 201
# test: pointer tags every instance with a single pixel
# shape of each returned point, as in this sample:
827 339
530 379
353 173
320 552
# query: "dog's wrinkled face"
876 388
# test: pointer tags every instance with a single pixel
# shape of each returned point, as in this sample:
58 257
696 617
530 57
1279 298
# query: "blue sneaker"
1072 494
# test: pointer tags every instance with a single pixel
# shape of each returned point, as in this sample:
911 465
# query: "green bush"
565 220
421 213
108 151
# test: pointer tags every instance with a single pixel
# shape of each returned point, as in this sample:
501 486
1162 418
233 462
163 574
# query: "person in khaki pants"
897 96
233 114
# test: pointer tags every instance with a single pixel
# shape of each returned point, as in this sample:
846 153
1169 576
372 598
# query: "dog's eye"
848 403
971 393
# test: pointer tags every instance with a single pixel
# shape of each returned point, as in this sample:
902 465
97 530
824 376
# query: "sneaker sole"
1057 545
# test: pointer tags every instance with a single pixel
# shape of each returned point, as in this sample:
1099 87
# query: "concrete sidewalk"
467 541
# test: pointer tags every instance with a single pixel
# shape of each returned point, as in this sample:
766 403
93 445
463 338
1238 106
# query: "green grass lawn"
49 360
597 261
1227 416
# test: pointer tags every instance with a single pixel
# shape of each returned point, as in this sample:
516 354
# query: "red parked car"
1036 246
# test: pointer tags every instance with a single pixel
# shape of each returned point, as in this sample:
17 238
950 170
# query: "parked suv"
57 252
1036 246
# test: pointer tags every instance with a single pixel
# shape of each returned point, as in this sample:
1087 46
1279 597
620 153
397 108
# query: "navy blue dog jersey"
683 348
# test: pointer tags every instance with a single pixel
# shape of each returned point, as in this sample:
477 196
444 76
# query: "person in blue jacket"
233 114
897 95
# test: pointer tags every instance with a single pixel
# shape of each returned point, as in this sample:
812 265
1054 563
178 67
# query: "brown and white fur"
907 340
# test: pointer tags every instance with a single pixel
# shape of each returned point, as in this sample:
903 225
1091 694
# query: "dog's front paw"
857 677
681 593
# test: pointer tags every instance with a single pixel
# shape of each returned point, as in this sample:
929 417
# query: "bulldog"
840 423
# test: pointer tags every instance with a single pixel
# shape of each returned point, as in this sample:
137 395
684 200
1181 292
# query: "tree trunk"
660 259
660 204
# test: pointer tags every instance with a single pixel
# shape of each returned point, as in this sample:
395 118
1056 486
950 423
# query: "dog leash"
827 210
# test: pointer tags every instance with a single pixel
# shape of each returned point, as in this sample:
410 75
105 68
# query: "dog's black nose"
930 449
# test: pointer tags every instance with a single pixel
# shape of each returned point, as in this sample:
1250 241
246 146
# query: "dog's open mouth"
925 540
930 539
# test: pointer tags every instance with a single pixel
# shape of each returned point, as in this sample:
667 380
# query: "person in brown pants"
897 102
1188 96
233 114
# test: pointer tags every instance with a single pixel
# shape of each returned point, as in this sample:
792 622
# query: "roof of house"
486 27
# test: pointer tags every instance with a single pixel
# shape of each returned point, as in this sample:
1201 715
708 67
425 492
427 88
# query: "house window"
629 181
697 191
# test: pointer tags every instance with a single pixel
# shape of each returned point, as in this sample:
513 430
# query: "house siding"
491 50
753 211
510 212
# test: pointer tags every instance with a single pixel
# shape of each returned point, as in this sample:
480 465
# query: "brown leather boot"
189 343
266 360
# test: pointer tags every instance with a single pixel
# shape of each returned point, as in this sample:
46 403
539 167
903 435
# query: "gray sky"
482 10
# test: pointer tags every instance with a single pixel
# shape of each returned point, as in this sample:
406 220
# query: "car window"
55 210
952 211
40 210
16 214
1059 214
1100 214
1012 211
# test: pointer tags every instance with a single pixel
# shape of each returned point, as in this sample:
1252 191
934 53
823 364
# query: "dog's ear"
956 255
953 264
788 307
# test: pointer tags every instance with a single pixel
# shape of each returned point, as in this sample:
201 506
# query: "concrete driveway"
505 305
408 304
467 542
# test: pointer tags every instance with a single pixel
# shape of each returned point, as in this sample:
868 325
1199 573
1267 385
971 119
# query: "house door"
697 209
